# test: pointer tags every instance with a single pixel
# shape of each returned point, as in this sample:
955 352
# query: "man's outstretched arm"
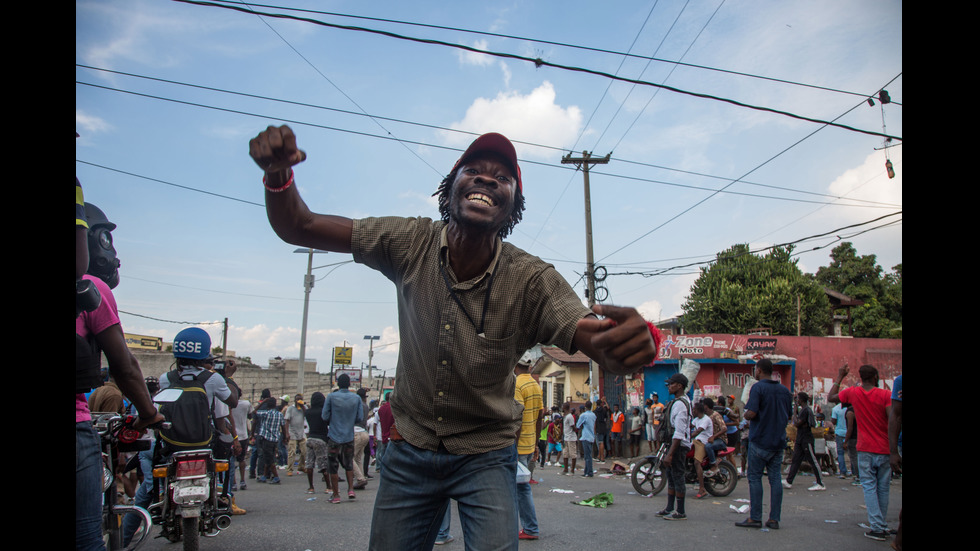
274 150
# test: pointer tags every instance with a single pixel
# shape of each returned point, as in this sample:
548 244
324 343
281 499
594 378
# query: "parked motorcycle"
186 484
648 479
117 435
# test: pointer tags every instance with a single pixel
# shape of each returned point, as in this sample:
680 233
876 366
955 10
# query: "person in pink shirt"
871 407
97 332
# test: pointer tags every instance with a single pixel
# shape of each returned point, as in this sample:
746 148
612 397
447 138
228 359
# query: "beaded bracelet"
288 183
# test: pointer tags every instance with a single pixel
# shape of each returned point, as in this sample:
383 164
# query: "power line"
628 54
782 245
858 202
172 321
332 83
704 200
538 62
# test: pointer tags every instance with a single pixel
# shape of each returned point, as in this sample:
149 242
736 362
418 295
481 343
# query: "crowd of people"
469 305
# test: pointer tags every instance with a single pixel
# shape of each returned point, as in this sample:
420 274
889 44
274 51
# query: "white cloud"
89 124
869 181
467 57
535 118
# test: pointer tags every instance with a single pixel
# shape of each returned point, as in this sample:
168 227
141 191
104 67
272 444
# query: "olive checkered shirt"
454 387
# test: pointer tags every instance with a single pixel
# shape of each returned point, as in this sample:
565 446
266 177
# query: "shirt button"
448 327
441 393
439 419
444 362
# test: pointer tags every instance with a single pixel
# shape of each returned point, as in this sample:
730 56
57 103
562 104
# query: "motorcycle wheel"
724 482
192 536
647 478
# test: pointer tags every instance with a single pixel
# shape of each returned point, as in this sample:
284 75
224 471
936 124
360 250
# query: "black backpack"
88 363
190 416
665 430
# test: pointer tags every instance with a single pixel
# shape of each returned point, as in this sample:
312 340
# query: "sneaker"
274 480
879 535
533 481
675 516
243 486
817 488
787 485
261 479
663 513
335 499
445 541
522 535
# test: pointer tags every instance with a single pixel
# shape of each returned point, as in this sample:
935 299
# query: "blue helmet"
192 343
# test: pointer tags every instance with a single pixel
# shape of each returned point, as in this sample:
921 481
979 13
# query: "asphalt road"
284 517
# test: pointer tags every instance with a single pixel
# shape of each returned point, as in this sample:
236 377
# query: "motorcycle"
117 435
648 480
190 504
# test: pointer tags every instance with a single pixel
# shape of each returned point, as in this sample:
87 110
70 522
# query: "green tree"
860 277
742 291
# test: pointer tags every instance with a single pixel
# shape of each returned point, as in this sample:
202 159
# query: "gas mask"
102 263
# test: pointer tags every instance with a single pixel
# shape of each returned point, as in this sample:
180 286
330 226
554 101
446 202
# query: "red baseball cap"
494 143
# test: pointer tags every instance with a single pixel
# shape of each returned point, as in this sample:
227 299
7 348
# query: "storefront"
808 364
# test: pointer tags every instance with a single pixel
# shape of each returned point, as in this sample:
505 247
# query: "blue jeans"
144 495
771 461
711 450
88 487
525 501
876 471
587 450
447 521
841 455
416 486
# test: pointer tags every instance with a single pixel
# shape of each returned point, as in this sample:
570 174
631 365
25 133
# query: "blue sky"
168 94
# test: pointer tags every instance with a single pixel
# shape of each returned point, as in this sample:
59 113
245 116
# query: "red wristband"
658 337
288 183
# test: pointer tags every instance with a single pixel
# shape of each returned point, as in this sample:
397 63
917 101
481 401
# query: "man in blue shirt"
586 423
768 410
341 411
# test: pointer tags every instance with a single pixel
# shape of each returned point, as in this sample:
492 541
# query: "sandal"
311 491
701 496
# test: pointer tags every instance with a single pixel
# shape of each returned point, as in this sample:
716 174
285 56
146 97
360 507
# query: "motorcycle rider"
192 352
97 331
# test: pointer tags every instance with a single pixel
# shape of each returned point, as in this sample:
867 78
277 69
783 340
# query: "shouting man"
469 305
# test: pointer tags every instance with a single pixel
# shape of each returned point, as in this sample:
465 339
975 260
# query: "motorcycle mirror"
167 395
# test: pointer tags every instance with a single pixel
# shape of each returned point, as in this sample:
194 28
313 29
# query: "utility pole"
585 162
224 341
307 287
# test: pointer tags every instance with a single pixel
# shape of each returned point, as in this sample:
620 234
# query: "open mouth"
481 198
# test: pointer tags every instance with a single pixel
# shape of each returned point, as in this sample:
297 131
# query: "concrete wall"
251 378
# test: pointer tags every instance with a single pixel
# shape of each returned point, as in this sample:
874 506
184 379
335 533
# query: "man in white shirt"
674 462
701 427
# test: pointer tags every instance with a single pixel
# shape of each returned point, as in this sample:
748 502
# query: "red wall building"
807 364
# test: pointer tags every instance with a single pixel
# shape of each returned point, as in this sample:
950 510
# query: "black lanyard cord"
486 299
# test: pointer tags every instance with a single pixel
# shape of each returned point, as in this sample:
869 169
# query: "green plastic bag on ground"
598 500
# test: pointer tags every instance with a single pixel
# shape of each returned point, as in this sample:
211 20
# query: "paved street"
284 517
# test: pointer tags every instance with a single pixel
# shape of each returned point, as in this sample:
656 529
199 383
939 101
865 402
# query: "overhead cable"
538 62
